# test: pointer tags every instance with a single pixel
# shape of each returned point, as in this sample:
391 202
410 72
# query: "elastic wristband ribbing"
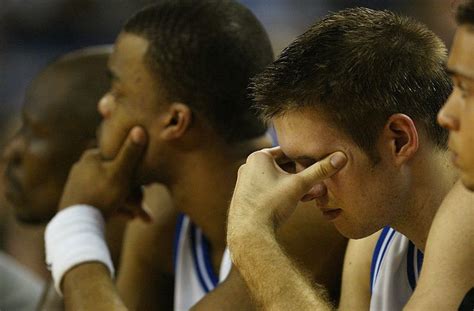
75 236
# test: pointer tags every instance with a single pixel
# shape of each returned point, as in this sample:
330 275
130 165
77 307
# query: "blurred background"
33 33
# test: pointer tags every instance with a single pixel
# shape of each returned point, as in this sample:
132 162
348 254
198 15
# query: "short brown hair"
360 66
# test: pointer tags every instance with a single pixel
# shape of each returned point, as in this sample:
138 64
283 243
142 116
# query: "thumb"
131 152
321 170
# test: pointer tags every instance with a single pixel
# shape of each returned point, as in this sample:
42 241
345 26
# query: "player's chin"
468 180
354 231
143 177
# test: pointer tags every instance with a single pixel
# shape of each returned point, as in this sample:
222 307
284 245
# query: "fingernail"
338 160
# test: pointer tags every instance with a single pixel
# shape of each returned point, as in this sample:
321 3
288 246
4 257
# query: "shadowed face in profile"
58 122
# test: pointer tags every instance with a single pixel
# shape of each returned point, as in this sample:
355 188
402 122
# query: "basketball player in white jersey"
179 73
361 90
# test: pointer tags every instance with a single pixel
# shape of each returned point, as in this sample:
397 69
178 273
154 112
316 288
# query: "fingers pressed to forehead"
324 168
132 150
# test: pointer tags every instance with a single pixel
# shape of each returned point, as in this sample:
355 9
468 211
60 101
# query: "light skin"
457 115
403 190
447 269
447 272
174 140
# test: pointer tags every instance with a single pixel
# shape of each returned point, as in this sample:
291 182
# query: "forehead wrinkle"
302 145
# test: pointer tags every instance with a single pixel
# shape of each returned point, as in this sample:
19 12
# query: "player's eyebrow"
455 73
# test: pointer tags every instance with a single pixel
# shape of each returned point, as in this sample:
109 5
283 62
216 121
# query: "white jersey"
396 265
194 276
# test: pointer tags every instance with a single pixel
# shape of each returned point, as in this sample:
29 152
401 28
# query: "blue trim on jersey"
414 255
195 260
179 225
376 254
419 260
378 246
206 250
410 265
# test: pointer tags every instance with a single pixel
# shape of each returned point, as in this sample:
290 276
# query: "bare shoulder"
316 245
447 272
355 293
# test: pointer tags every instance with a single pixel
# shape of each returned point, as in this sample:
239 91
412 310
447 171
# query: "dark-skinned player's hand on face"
108 184
266 195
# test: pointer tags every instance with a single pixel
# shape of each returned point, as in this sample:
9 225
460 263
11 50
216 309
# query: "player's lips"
331 214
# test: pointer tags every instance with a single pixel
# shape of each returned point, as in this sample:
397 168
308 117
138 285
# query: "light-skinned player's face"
131 100
362 197
457 115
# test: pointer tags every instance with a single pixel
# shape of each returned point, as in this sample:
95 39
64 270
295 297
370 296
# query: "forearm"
151 290
274 280
230 295
90 287
50 299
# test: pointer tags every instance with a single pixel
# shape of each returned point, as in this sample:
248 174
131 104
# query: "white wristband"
75 236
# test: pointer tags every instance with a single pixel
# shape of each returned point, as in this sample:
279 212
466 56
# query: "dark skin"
145 139
58 122
39 155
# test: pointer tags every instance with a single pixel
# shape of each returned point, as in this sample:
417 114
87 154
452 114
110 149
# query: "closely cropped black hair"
204 53
465 13
358 67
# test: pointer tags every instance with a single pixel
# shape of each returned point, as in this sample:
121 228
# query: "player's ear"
177 121
401 137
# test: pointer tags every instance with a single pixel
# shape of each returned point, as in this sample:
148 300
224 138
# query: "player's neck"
433 180
205 184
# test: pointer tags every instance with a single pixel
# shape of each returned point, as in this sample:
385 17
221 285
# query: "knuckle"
252 156
241 170
90 154
257 156
323 169
300 182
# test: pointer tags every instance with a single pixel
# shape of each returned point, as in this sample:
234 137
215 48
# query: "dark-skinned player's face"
38 158
132 100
